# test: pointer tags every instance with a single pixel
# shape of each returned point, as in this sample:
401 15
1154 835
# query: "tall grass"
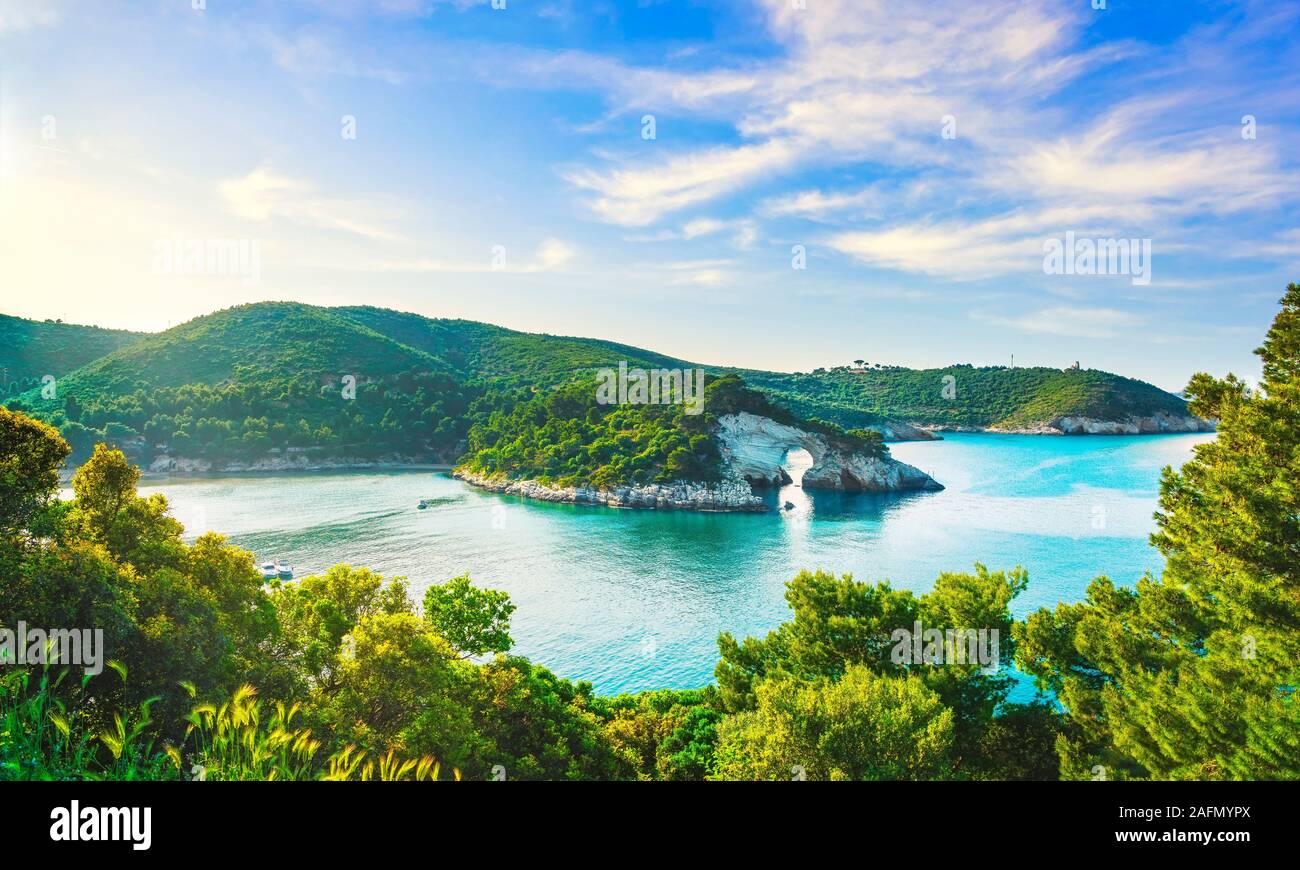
234 741
47 731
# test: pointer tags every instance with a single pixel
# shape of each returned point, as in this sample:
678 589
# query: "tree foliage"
30 456
1193 674
474 621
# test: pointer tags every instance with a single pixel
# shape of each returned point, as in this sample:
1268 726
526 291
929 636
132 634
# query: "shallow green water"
634 600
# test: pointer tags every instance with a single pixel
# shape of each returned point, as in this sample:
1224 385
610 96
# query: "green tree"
667 734
134 530
687 753
840 623
474 621
535 725
316 613
245 614
31 454
1194 675
863 726
837 622
399 686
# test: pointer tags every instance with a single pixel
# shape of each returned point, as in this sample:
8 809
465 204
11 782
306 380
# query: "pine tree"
1195 675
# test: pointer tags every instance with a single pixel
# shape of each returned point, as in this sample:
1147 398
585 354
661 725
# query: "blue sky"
500 170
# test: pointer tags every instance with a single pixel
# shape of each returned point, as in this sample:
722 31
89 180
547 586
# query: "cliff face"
754 447
895 430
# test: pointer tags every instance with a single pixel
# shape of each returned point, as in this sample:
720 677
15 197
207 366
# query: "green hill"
993 396
493 353
240 383
989 396
268 379
31 349
265 340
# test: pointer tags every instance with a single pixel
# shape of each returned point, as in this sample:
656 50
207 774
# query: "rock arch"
754 448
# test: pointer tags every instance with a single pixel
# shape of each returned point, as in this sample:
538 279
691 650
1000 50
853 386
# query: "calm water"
634 600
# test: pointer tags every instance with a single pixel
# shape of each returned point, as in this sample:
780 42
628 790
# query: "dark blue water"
634 600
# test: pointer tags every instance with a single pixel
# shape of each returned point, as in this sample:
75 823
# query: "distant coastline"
167 467
1155 424
198 469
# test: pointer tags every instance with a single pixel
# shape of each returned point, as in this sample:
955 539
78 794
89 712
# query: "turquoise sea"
634 600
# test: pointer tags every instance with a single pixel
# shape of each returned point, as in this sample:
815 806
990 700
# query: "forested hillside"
31 349
492 353
964 395
241 382
268 380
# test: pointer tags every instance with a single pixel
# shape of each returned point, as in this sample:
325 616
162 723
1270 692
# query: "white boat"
283 570
268 570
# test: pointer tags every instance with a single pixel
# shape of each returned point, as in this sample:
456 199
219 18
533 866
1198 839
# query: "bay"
634 600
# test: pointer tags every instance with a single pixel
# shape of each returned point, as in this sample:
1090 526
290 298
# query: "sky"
780 184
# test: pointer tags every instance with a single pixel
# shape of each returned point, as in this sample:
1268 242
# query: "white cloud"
702 227
863 86
1121 160
320 54
820 205
639 196
744 232
1069 320
697 273
980 247
859 81
18 16
264 195
703 278
552 255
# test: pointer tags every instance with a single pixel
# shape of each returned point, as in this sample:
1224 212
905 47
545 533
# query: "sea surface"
634 600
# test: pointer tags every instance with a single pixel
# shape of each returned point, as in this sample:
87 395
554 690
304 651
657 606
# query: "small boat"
268 570
283 570
424 503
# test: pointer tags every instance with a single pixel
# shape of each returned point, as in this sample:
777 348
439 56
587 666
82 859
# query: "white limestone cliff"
755 448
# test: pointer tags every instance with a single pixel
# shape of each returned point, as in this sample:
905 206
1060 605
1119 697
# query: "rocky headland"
726 495
754 451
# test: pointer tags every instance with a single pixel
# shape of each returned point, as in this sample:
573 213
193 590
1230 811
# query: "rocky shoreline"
1155 424
893 430
179 465
733 495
